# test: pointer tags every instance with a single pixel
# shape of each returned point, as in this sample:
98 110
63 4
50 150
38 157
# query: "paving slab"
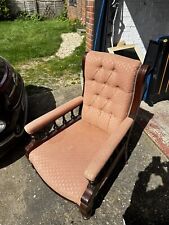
139 195
42 100
155 121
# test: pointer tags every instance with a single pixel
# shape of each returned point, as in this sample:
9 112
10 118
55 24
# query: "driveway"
139 195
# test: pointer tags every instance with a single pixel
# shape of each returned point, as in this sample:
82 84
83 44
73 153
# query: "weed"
4 10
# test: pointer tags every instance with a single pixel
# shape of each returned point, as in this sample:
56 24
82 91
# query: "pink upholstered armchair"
74 158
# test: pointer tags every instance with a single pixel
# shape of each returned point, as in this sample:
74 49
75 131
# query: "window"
72 2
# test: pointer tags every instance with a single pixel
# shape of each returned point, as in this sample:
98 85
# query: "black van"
13 106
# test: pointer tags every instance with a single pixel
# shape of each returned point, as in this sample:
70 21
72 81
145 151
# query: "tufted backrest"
109 88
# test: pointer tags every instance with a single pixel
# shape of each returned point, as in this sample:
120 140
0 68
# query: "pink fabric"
51 116
106 150
62 160
109 86
67 161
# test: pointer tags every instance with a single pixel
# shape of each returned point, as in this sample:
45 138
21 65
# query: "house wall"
138 21
84 11
77 10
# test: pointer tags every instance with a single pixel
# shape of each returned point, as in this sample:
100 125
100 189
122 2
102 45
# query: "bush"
4 10
29 16
63 16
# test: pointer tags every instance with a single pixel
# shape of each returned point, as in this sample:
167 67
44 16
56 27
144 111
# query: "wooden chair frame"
92 190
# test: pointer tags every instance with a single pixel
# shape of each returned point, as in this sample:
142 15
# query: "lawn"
25 42
64 72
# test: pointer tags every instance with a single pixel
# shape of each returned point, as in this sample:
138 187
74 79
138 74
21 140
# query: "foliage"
63 16
25 43
29 16
48 72
4 10
24 40
76 24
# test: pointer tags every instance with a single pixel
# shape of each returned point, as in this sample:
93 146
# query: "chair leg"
126 147
126 154
86 210
87 201
86 215
126 151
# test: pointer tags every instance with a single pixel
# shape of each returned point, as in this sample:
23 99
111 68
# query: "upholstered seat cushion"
62 160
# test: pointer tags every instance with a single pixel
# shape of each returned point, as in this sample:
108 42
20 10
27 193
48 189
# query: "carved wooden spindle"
64 121
72 115
80 110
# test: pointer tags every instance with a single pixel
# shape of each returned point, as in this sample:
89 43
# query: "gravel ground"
69 43
139 195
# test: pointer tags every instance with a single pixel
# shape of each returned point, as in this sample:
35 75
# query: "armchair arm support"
53 115
106 150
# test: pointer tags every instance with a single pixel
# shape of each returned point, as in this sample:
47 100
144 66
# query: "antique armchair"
77 156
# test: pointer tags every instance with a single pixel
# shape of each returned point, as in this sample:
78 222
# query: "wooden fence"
46 8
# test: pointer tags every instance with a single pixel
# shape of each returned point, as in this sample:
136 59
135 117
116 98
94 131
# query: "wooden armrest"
106 150
53 115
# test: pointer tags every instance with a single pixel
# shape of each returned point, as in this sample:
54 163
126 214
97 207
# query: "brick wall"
84 11
139 21
89 24
77 11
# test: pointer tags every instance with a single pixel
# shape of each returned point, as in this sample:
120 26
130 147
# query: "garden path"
70 41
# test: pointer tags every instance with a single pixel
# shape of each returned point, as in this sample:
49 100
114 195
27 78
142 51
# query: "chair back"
108 89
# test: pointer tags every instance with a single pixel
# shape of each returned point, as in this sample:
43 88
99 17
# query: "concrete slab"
42 100
139 194
155 120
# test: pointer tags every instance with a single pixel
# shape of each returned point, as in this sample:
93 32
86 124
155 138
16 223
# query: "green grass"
22 40
24 43
49 73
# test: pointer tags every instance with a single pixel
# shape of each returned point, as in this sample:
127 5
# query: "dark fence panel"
47 8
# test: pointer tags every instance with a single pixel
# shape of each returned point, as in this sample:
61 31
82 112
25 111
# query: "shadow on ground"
26 199
16 152
149 203
134 139
150 196
40 101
